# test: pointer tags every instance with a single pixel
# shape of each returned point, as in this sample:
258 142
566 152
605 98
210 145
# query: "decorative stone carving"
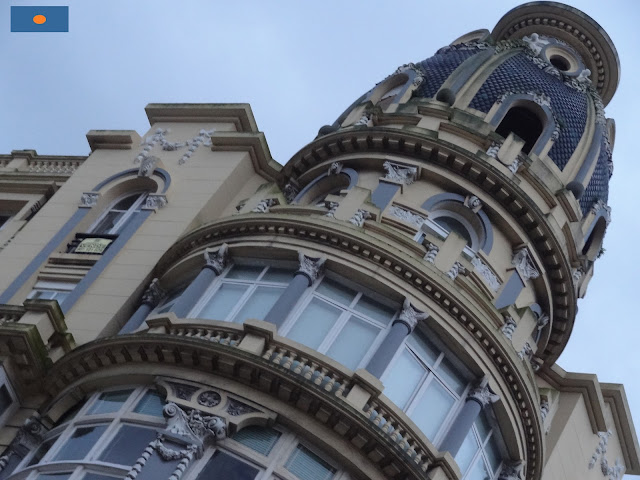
365 120
538 97
542 321
236 408
216 259
407 216
359 217
153 294
290 192
418 79
28 437
583 77
155 201
400 173
509 326
577 274
209 398
432 251
332 206
89 199
240 205
526 352
493 150
544 408
335 168
482 393
485 272
601 205
512 471
615 472
203 138
310 267
456 269
515 165
147 166
535 42
183 391
148 144
192 426
524 264
473 203
411 316
264 205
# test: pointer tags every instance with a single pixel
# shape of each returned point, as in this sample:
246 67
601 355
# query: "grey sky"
300 64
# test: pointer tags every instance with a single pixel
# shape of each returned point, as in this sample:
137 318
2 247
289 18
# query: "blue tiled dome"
438 69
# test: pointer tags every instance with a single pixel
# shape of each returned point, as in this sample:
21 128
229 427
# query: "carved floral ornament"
158 137
310 267
614 472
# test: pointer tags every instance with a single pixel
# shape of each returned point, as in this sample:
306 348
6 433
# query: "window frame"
52 286
252 285
91 461
343 318
128 214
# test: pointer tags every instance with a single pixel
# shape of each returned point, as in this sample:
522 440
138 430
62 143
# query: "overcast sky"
300 64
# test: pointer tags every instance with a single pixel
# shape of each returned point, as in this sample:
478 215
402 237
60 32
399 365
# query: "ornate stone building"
389 304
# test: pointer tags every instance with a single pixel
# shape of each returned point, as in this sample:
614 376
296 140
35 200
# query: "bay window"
344 323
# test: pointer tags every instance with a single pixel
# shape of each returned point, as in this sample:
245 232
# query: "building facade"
390 303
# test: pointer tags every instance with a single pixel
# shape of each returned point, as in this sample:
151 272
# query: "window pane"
151 404
223 301
225 466
157 468
375 310
451 377
478 472
5 399
314 323
402 380
353 342
483 426
467 450
259 304
427 352
336 291
109 402
42 451
260 439
244 272
127 445
81 441
279 275
108 222
56 476
493 454
432 409
126 203
306 465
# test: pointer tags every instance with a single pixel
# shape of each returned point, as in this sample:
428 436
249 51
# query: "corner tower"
389 304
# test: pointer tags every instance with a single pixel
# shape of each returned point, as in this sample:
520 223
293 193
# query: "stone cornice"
420 275
262 372
476 169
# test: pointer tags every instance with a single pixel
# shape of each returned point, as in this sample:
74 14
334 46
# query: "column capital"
512 471
310 267
153 294
410 316
216 259
482 393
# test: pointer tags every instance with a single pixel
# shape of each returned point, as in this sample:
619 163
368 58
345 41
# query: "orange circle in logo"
39 19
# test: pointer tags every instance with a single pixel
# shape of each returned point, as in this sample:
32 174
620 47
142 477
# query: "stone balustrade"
359 390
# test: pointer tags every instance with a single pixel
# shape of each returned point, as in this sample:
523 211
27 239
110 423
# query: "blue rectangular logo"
39 19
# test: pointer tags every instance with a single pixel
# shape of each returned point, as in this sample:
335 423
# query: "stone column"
150 299
215 262
307 274
477 398
402 326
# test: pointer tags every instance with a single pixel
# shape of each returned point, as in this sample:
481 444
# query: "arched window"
523 122
119 213
327 184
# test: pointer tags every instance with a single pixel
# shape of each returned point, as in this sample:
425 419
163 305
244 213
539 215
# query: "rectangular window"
244 292
341 322
306 465
109 402
46 290
259 439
